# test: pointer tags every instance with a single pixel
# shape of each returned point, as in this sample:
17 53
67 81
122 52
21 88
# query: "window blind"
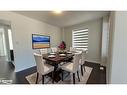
80 39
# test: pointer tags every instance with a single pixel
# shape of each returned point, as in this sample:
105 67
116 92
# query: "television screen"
40 41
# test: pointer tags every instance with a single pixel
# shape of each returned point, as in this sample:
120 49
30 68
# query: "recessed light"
57 11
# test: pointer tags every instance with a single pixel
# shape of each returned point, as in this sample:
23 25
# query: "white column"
105 38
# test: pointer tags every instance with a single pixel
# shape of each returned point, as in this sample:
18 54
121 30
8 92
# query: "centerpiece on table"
62 47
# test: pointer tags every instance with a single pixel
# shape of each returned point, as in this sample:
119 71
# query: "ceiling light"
57 11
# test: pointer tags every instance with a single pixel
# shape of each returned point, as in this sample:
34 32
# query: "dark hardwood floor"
97 76
20 76
7 72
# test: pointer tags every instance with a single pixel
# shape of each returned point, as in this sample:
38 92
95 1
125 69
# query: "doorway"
11 45
6 44
3 53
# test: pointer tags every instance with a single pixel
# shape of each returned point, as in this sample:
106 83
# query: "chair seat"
68 67
79 52
47 69
81 63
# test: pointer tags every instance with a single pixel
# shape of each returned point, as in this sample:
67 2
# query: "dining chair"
44 51
82 61
72 49
54 49
78 51
42 68
72 67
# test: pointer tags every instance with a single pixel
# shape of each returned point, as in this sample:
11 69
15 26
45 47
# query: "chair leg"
53 77
62 75
81 70
42 79
78 76
84 68
73 78
37 77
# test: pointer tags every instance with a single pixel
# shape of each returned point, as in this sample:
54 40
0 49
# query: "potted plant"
62 47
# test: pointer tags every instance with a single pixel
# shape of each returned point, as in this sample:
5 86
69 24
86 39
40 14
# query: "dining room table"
55 59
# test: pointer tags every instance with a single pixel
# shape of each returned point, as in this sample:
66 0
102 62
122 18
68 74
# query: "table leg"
56 73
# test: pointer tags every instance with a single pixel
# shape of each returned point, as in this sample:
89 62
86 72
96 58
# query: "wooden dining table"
56 60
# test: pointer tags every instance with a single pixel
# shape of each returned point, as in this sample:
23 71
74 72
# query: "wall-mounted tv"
40 41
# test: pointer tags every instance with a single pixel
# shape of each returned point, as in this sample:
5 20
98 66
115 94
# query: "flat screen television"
40 41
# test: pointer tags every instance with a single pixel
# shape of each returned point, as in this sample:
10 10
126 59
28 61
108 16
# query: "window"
80 39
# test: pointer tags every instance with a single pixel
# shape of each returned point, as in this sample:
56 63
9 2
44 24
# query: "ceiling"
66 18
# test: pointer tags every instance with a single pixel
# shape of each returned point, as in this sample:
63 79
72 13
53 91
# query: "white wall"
22 30
94 38
118 59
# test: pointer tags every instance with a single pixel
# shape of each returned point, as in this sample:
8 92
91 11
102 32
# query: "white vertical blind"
80 39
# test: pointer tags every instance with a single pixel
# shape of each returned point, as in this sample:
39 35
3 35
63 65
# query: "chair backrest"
76 59
44 51
78 51
83 56
54 49
39 63
72 49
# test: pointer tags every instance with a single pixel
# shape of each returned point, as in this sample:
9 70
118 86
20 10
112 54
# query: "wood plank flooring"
7 71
